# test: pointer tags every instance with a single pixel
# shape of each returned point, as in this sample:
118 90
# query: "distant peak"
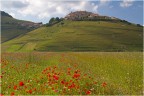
5 14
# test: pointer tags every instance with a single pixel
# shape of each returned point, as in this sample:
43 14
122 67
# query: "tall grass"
92 73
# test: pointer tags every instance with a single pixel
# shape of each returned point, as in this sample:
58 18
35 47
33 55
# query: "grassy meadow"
76 73
75 36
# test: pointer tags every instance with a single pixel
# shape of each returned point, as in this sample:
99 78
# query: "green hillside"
11 28
80 36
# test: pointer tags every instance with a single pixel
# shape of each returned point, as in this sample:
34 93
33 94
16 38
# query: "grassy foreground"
89 73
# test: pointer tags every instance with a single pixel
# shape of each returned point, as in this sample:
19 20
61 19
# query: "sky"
43 10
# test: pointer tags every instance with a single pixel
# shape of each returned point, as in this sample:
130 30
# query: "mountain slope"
11 27
80 36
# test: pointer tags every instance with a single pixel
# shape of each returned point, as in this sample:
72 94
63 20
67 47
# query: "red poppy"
52 88
66 83
55 77
21 83
72 86
12 94
1 95
62 82
104 84
48 75
88 92
69 69
30 91
76 75
34 89
70 81
15 87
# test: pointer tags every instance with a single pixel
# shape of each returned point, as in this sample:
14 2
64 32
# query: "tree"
57 19
51 20
139 25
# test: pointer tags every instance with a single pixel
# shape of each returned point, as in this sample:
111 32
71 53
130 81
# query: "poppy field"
76 73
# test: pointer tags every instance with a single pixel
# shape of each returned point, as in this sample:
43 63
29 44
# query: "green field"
10 28
80 36
55 73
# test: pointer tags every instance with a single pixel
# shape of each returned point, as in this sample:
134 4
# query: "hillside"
11 27
89 16
80 36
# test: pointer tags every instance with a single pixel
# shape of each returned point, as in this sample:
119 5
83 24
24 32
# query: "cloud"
46 9
104 2
14 4
12 14
126 3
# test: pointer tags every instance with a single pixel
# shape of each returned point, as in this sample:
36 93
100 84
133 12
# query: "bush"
139 25
53 21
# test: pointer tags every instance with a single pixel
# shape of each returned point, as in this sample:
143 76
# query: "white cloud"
126 3
104 2
12 14
46 9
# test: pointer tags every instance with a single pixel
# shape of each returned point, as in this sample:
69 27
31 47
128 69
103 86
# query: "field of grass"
79 36
10 29
91 73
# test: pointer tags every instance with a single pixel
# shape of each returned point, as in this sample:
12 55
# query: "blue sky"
43 10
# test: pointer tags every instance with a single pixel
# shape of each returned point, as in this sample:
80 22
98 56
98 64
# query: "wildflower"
69 69
76 75
62 82
48 75
12 94
55 77
52 88
88 92
66 83
15 87
70 81
34 89
21 83
104 84
72 86
30 91
1 95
